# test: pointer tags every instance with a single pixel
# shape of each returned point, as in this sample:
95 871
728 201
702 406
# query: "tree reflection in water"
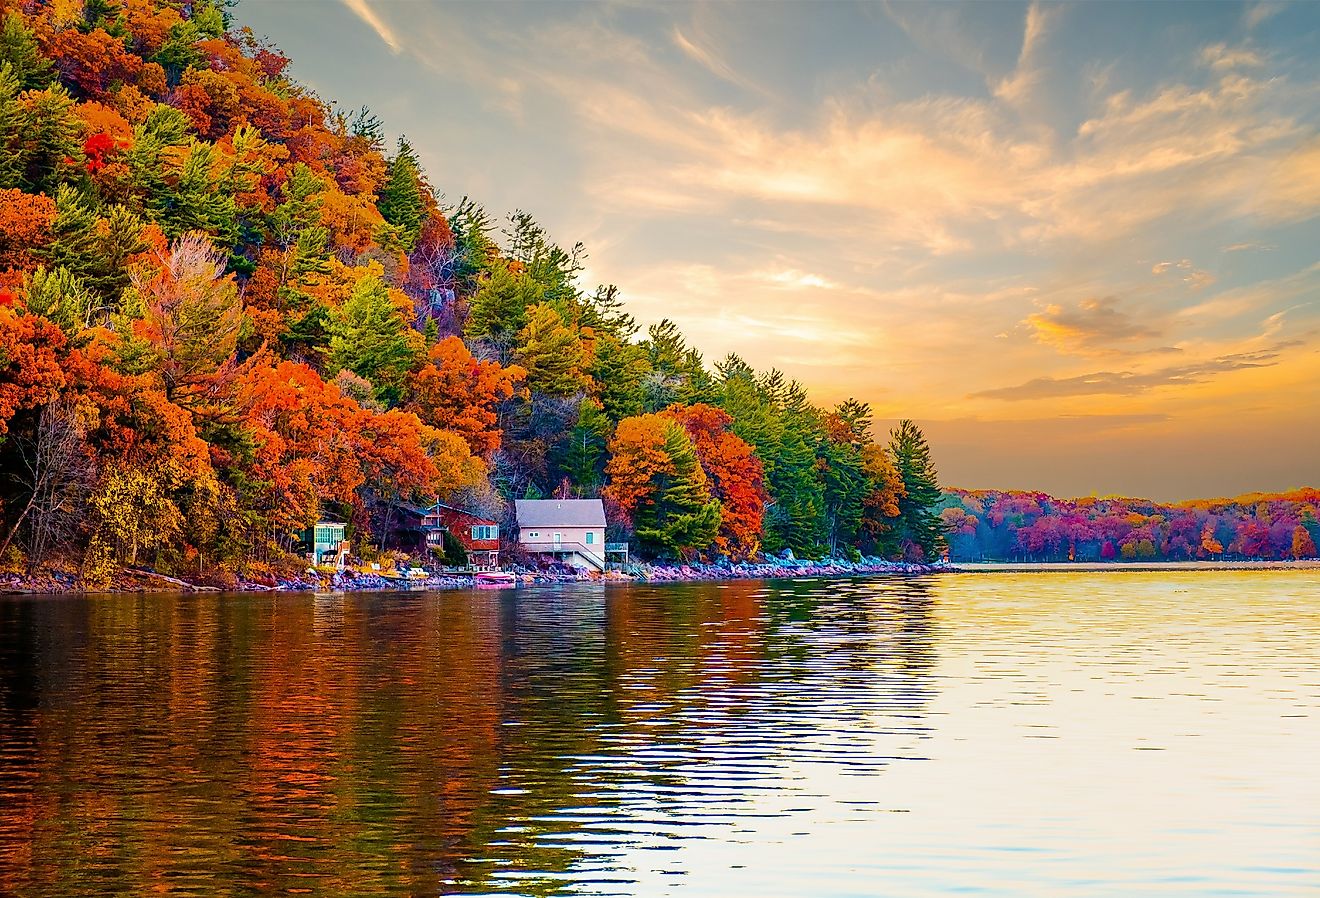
531 741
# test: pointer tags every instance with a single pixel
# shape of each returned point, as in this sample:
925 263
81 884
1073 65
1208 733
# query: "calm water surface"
998 734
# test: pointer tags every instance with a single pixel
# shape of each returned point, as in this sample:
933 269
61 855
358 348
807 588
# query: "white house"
571 531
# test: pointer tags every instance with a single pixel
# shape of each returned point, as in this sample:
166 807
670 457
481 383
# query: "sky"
1079 244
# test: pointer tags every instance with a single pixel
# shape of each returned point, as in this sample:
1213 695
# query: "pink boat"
496 580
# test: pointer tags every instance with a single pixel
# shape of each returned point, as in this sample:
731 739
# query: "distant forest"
993 525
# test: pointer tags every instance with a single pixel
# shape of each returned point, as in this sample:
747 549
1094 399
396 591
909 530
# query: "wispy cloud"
1223 57
1131 383
362 9
710 61
1016 88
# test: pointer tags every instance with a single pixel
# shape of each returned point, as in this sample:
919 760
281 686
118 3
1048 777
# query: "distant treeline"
992 525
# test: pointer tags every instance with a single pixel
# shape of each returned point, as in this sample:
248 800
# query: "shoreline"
137 581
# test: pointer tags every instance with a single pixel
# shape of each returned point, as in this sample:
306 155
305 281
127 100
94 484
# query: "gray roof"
560 513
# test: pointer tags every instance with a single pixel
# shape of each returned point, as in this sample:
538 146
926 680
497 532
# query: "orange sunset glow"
1076 243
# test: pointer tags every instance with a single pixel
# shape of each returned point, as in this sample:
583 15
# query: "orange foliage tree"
314 444
31 374
460 393
25 220
1303 546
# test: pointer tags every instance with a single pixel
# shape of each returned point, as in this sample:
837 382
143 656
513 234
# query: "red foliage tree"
736 475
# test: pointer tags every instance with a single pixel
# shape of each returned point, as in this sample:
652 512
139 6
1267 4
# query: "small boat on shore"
495 580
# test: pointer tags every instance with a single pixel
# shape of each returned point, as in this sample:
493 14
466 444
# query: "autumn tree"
25 221
31 374
190 316
880 508
1209 545
457 392
1303 546
655 477
735 474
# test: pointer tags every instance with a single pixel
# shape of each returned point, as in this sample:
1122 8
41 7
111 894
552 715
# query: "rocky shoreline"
352 581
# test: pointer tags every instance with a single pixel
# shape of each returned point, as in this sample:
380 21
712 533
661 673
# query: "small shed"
324 543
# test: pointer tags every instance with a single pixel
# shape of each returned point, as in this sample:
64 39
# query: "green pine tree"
498 311
550 352
295 224
401 201
59 295
684 518
94 247
370 337
920 527
18 47
584 449
619 370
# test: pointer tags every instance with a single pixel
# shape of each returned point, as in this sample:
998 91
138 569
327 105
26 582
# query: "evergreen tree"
295 223
95 248
584 450
498 311
401 201
619 370
474 250
683 517
18 47
844 487
604 313
550 352
370 337
11 129
192 202
919 526
47 141
552 269
59 295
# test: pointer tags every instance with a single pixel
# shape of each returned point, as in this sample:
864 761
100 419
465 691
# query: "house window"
591 537
533 534
486 531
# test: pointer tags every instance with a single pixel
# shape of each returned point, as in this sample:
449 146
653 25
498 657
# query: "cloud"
1222 57
1259 12
362 9
1190 275
710 61
1129 383
1018 86
1094 325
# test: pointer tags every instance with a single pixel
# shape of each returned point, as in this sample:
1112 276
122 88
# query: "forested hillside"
228 308
1017 526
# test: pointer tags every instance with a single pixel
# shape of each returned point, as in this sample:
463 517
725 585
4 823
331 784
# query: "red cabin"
479 537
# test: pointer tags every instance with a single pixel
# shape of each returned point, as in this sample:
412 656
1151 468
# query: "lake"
1050 734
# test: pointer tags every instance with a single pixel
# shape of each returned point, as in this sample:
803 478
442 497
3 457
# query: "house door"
558 539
